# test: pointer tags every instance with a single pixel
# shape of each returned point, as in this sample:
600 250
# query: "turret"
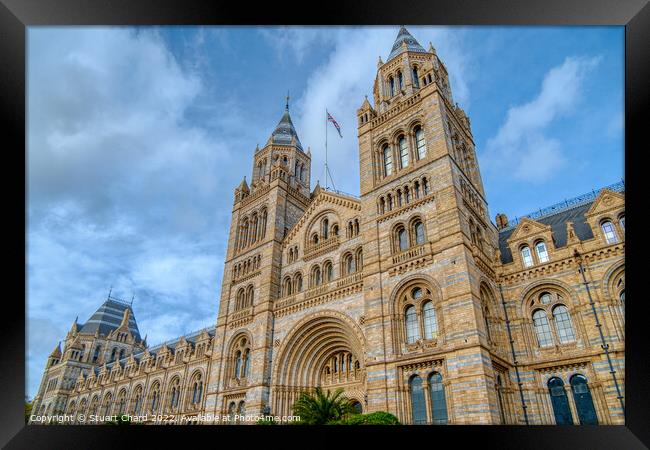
55 356
501 221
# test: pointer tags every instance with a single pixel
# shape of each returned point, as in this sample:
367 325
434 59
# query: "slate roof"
285 132
412 45
557 216
558 226
108 317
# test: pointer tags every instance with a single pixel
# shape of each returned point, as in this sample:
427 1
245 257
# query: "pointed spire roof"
285 133
56 353
109 316
405 42
243 186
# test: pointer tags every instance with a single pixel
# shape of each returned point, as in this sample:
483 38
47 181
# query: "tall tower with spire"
425 215
263 212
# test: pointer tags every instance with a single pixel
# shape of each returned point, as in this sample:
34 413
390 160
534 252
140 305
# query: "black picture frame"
17 15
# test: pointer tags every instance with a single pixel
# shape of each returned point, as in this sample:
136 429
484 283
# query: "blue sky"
137 138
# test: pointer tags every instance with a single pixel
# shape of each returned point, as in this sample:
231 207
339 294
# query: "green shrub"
375 418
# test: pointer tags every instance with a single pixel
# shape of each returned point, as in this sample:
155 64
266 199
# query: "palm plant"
319 408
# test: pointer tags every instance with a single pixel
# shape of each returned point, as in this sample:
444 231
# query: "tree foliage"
375 418
319 408
28 410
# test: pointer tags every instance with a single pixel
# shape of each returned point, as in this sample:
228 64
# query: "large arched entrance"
325 349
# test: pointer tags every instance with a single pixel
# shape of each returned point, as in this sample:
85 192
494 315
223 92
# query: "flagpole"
326 169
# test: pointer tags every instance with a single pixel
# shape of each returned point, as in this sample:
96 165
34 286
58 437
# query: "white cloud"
125 190
121 188
521 147
296 41
341 83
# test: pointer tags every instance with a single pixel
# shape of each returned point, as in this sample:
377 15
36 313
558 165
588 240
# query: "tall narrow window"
430 321
609 232
487 322
329 272
542 254
563 324
298 283
231 412
350 266
388 160
560 402
526 256
416 82
402 239
499 389
403 152
417 401
238 364
400 78
583 401
418 229
425 186
621 220
622 298
420 143
438 401
245 363
412 329
542 328
263 228
325 228
391 86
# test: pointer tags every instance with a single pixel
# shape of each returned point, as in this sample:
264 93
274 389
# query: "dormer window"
609 232
526 256
542 254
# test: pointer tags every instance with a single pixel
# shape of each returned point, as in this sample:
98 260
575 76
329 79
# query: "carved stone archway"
307 359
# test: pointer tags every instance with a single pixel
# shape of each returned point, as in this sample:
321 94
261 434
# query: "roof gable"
558 223
321 199
606 201
527 228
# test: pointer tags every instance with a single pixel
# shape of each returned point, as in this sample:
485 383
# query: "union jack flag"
336 124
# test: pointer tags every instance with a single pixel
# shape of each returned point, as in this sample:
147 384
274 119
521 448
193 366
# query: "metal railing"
566 204
336 191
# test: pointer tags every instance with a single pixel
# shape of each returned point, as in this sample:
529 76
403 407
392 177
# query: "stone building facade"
407 297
